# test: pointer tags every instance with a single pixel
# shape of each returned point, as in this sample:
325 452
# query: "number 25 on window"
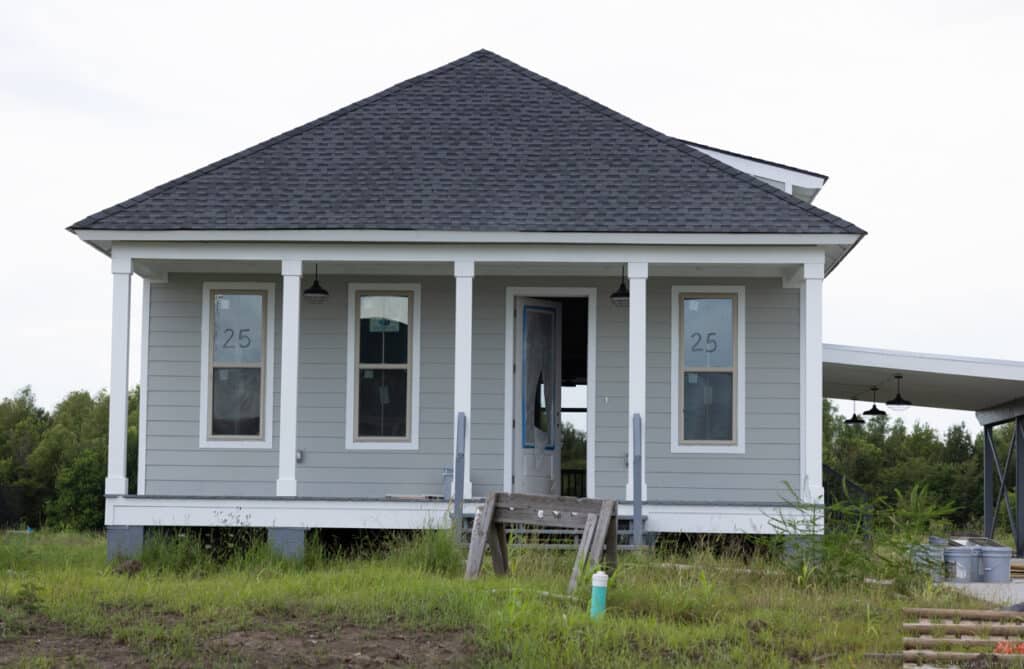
704 344
243 340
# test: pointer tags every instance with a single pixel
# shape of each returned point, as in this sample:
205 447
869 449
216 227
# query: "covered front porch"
312 470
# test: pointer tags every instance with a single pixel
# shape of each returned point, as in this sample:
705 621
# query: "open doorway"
549 448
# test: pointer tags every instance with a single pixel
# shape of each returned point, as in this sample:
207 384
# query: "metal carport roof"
929 380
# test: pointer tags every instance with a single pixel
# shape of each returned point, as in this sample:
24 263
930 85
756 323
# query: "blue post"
460 467
638 486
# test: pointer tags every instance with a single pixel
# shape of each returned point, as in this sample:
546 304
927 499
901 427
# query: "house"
341 319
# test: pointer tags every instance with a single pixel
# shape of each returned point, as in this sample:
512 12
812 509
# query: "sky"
912 108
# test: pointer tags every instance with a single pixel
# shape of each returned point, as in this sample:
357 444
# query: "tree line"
885 458
53 463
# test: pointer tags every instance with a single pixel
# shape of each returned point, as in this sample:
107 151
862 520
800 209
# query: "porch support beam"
507 253
117 440
811 488
291 275
464 271
637 272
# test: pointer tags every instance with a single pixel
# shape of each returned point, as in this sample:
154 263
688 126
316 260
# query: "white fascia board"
508 253
722 519
1009 370
765 169
467 237
151 511
154 511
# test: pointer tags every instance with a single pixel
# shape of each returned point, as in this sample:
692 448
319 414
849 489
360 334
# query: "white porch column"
637 272
291 273
811 490
464 271
117 428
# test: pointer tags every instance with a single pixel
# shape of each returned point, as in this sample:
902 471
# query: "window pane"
237 327
707 406
382 402
384 329
707 332
236 401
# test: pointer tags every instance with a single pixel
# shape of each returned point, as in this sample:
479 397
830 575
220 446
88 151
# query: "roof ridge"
678 144
288 134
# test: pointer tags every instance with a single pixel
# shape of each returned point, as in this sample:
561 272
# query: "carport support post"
1018 439
989 497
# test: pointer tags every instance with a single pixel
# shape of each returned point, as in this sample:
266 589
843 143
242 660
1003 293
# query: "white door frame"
511 293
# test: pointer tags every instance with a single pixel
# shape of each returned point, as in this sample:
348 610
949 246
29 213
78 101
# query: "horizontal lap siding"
772 458
175 465
328 469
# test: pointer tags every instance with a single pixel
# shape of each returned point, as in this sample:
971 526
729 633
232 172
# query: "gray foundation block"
288 542
124 541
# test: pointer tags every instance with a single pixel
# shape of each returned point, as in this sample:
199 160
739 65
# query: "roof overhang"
835 246
941 381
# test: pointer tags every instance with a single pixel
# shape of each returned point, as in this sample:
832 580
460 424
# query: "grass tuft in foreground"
406 604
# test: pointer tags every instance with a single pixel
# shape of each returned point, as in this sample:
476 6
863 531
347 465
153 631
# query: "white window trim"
412 443
267 441
741 365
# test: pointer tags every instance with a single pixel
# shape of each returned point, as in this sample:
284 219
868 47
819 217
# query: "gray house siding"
175 465
772 457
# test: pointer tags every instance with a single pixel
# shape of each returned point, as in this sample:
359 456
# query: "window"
237 364
707 363
382 385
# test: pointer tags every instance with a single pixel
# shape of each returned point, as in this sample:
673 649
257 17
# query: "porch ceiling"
941 381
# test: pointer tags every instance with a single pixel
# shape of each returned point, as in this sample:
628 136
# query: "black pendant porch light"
620 297
898 403
855 419
316 293
874 410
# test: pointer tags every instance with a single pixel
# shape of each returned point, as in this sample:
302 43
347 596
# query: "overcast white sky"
913 109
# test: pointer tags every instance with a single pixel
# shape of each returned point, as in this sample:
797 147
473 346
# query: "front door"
536 427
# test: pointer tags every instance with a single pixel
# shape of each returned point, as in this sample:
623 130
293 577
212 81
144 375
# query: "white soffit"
929 380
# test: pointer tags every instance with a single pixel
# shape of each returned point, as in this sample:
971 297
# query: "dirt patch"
42 638
274 643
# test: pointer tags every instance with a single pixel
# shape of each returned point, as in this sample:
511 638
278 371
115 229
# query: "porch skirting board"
400 514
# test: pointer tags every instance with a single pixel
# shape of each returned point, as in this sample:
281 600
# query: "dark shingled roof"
480 144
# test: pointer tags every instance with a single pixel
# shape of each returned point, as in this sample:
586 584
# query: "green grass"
720 612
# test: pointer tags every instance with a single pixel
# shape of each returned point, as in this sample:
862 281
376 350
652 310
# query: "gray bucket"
995 564
963 564
930 557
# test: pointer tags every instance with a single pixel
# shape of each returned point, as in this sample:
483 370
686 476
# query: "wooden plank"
955 656
580 505
919 642
581 555
985 629
612 541
548 518
965 614
499 548
481 525
601 531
